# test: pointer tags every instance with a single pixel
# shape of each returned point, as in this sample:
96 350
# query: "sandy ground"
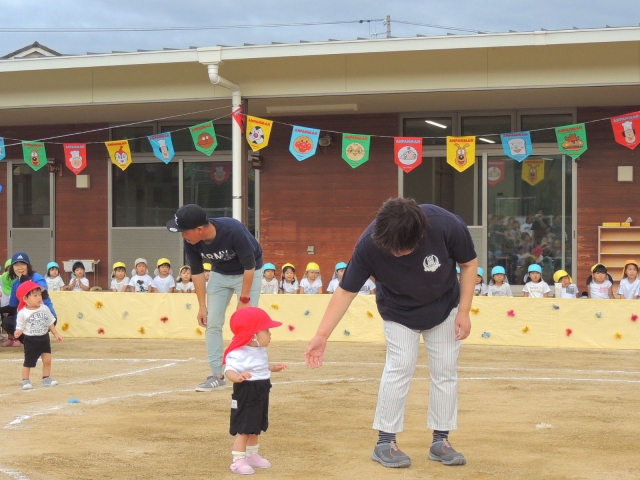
140 418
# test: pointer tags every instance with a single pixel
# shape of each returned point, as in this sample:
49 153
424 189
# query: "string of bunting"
572 141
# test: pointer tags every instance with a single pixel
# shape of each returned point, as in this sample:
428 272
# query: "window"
429 127
535 122
30 197
145 194
479 126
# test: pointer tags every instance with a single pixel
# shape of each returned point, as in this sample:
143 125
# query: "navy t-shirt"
233 242
418 290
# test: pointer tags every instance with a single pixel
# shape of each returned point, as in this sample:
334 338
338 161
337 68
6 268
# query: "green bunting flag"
355 149
204 137
572 139
34 154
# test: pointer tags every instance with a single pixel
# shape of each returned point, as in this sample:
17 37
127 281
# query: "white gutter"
236 139
351 47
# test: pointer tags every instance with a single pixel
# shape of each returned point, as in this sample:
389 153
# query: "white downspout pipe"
236 139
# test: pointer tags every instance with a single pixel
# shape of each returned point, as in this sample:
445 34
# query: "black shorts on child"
34 347
250 407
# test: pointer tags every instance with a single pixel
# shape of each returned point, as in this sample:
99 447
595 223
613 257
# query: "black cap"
187 217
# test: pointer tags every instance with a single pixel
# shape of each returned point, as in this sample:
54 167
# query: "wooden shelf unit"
616 245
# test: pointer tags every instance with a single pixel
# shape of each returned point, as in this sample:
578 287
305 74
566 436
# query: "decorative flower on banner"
625 129
75 156
34 154
572 139
533 171
3 151
407 152
517 145
162 146
120 153
461 152
204 137
304 142
258 132
355 149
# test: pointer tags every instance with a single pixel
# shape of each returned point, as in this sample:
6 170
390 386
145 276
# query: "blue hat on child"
498 270
340 265
534 267
480 272
457 269
268 266
52 265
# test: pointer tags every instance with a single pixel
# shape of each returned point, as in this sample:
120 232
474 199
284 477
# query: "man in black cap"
236 267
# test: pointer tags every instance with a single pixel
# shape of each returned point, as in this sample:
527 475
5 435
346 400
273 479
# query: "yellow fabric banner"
120 153
258 131
533 171
461 152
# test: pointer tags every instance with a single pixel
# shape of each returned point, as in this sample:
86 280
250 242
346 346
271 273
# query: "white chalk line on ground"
99 401
13 474
115 375
129 360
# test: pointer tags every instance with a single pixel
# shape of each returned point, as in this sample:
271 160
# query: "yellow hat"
119 265
288 265
628 262
596 265
207 267
313 267
163 260
560 274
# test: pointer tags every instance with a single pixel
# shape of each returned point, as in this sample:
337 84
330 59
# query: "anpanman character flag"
533 171
572 139
204 137
258 132
75 156
461 152
407 152
626 129
120 153
34 154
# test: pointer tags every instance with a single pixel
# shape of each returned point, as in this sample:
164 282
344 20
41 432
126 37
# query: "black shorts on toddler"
34 347
250 407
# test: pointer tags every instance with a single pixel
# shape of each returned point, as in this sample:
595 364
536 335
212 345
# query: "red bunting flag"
626 129
238 116
407 152
75 156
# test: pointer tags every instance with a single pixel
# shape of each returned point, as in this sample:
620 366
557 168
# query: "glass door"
31 213
529 211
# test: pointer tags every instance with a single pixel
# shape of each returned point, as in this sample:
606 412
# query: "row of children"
311 282
163 281
599 283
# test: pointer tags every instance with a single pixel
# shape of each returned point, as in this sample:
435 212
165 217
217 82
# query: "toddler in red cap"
247 366
35 321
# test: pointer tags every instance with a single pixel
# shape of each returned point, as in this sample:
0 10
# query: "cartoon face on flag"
75 156
258 132
461 152
355 149
517 145
626 129
495 172
162 146
220 172
3 152
120 153
304 142
572 139
34 154
533 171
204 137
407 152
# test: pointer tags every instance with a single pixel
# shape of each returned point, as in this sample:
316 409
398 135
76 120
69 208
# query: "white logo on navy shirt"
431 263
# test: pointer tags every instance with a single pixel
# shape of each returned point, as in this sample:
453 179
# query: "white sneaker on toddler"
242 467
256 461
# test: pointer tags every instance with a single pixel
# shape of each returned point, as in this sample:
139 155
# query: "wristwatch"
245 299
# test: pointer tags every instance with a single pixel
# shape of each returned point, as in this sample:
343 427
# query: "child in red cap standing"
35 321
248 367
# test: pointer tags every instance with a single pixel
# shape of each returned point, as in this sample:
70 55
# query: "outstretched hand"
315 351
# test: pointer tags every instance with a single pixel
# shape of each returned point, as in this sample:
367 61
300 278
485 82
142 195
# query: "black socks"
384 437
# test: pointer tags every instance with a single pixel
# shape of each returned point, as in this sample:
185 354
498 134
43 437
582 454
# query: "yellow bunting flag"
258 131
533 171
120 153
461 152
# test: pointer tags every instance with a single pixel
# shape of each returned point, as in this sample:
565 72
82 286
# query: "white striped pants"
403 345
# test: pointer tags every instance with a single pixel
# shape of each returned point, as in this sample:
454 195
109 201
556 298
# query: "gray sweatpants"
402 355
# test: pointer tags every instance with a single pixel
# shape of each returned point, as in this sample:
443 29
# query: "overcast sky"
488 15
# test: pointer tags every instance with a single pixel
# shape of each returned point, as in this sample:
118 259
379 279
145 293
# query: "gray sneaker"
389 455
49 382
442 451
26 385
211 383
